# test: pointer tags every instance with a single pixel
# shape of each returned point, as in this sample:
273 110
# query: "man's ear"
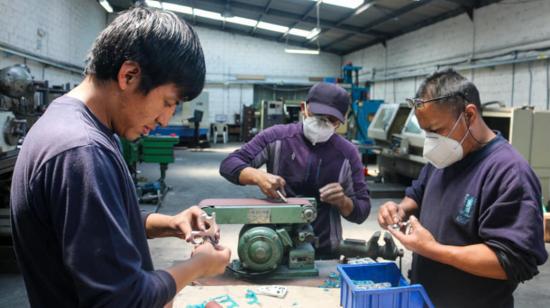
471 113
129 75
303 108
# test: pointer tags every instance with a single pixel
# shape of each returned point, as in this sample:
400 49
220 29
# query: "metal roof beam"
266 9
295 17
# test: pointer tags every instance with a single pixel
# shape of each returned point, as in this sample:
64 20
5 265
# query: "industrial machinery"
527 130
22 101
292 110
363 108
271 113
399 142
278 240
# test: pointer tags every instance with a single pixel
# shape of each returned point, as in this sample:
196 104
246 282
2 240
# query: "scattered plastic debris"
366 260
370 285
225 300
333 281
252 297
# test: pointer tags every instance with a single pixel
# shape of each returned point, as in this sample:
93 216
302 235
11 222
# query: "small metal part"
401 225
273 290
209 234
281 196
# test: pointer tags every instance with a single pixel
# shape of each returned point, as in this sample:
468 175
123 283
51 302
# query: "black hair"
166 48
450 83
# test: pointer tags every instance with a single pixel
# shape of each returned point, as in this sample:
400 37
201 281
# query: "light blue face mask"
442 151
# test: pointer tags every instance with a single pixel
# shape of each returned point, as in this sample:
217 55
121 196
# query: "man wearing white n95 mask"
479 231
308 159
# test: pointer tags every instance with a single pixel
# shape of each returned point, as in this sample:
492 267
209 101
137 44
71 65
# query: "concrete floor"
194 177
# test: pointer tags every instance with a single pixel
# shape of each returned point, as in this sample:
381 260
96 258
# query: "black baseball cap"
328 99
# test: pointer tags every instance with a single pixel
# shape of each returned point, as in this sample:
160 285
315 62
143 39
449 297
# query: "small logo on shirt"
466 212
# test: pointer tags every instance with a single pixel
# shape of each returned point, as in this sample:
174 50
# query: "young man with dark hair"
479 231
308 159
79 235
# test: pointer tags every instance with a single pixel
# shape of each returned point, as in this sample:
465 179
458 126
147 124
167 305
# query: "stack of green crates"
158 149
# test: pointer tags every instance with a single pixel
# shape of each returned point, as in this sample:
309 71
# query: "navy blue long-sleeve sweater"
78 232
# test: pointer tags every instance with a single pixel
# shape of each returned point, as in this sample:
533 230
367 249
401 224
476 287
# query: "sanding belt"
251 202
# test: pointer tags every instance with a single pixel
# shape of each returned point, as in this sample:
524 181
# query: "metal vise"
352 248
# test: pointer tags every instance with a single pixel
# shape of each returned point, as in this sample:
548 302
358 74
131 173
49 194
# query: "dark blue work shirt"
492 196
78 231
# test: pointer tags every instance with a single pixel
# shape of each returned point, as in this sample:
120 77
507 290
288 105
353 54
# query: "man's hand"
333 193
206 260
268 183
390 213
180 225
187 221
211 258
416 238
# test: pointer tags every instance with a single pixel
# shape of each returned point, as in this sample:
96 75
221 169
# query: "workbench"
296 297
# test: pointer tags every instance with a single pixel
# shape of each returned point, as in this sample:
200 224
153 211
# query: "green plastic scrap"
333 281
252 297
225 300
370 285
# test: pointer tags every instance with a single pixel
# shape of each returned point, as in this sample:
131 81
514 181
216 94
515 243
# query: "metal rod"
513 84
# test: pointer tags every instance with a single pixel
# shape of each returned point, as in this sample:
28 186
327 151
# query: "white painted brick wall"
496 26
68 29
228 55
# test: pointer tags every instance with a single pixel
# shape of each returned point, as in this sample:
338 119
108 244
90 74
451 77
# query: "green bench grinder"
276 239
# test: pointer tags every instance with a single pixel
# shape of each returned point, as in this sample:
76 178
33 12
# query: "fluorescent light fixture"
151 3
299 32
242 21
177 8
208 14
105 4
302 51
272 27
235 19
363 8
352 4
313 33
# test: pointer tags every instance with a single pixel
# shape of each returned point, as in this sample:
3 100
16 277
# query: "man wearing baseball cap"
308 159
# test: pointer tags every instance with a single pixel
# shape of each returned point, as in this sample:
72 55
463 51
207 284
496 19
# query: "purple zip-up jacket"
306 168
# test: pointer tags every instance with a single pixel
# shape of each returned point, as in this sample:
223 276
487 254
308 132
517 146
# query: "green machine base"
276 240
282 272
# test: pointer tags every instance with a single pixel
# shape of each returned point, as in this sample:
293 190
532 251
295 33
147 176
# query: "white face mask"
443 151
318 129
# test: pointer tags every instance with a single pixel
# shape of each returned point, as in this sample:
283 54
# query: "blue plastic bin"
400 295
